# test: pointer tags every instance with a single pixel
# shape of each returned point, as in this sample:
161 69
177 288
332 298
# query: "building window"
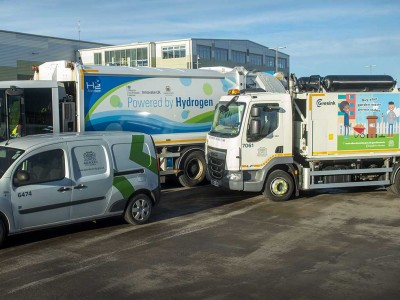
97 59
282 63
127 57
221 54
204 52
270 61
137 57
174 52
239 57
255 59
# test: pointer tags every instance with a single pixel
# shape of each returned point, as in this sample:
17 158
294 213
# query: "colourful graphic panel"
368 121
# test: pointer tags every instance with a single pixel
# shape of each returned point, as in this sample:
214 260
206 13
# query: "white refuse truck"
56 179
331 132
175 106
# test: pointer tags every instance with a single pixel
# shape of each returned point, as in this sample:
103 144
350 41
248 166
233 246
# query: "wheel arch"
396 169
140 191
5 221
288 168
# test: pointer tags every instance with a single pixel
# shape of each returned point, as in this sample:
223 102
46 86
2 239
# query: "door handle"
80 187
63 189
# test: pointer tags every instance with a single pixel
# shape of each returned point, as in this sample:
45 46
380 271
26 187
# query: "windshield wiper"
224 108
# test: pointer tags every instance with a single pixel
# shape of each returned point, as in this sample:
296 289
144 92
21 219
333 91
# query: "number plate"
215 182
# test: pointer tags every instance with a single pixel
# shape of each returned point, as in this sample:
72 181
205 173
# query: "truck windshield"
7 158
227 121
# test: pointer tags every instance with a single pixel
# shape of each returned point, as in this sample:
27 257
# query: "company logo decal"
94 86
321 102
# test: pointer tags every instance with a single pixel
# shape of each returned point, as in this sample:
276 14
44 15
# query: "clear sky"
322 37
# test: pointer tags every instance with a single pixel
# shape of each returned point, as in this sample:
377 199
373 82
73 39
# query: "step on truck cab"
56 179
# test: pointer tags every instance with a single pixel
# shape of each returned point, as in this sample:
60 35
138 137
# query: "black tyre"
194 169
2 233
395 186
138 210
279 186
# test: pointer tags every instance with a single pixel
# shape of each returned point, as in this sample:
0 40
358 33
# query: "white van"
55 179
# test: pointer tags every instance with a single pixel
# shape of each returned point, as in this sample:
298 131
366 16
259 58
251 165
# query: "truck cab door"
12 113
40 188
92 177
265 136
29 107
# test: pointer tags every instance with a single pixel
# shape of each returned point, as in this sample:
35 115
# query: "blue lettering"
201 103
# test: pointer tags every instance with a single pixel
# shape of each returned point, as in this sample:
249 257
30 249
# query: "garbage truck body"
331 132
175 106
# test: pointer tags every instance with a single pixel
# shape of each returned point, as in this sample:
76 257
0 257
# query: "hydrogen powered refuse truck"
331 132
175 106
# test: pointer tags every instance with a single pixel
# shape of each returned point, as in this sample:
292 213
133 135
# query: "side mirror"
223 109
255 112
255 127
21 177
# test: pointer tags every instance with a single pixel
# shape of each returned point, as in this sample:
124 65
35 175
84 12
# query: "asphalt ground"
209 243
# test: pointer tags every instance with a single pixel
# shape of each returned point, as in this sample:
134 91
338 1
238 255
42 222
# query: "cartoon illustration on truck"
371 116
391 117
344 107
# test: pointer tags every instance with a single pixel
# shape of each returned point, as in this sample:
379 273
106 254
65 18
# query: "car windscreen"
7 157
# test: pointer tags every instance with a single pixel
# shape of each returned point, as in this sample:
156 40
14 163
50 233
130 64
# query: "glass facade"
204 51
221 54
127 57
239 57
173 51
97 59
255 59
270 61
282 63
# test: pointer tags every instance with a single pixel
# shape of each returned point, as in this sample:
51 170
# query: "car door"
91 176
44 197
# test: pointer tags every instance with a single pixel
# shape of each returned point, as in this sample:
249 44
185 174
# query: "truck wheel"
395 186
2 233
279 186
138 210
194 169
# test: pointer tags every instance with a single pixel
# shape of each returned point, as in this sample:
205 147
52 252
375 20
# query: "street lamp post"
276 57
370 68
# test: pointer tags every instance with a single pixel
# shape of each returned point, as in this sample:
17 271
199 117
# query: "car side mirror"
21 177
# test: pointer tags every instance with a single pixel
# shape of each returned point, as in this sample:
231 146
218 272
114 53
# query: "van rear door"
92 177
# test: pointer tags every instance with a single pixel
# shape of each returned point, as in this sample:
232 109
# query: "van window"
7 158
89 160
123 160
43 167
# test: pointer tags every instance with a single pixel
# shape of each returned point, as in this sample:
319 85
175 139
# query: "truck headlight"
235 176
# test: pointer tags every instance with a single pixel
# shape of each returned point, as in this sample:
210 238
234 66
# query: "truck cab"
247 139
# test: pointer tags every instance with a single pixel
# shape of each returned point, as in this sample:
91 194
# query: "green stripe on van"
123 186
138 156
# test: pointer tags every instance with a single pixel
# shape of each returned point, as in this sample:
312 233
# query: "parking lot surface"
209 243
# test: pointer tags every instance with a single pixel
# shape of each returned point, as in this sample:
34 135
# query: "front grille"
216 167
